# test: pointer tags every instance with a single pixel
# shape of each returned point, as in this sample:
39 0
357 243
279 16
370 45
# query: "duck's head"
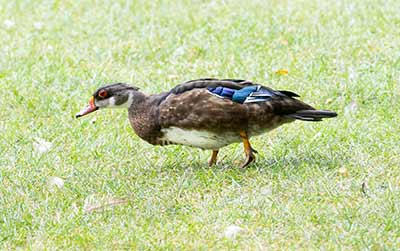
117 95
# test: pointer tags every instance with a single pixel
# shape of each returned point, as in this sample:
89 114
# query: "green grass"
304 191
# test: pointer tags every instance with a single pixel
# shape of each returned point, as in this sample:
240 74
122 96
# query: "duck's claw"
249 158
248 150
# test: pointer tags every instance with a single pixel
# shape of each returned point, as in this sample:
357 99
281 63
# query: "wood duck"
206 113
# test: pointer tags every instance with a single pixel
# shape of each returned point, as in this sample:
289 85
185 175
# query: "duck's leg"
248 150
213 159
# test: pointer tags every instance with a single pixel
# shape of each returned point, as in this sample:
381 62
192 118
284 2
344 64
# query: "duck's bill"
88 109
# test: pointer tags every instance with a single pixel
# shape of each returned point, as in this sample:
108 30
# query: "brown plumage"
193 114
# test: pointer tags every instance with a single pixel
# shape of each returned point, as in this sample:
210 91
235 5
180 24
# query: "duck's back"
197 113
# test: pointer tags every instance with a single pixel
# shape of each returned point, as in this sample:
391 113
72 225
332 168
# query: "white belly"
200 139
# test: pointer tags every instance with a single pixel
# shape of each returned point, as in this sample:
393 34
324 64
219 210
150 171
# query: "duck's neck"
135 99
143 116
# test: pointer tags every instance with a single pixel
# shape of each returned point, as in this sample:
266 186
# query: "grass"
303 193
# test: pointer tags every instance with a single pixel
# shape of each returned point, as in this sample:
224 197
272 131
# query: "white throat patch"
127 104
130 100
112 102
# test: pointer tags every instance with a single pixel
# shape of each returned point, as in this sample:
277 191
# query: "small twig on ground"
103 206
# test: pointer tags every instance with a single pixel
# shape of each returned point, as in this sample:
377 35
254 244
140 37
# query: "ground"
93 184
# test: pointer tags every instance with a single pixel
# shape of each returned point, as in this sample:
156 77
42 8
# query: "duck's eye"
102 94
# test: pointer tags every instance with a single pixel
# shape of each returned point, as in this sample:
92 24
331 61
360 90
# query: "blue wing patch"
248 94
241 95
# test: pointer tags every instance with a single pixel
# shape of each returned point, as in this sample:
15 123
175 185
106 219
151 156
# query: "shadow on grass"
301 161
278 163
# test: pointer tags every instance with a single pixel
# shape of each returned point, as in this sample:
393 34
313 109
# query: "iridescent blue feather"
248 94
241 95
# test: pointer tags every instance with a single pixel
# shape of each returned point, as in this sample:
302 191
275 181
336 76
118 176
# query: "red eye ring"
102 93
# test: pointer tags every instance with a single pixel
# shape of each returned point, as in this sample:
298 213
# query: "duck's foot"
248 150
249 158
213 159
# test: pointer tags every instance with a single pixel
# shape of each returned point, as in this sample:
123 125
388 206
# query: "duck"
207 113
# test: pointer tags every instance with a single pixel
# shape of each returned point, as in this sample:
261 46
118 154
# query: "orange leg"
248 150
213 159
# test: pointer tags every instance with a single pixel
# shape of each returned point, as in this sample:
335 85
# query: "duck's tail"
312 115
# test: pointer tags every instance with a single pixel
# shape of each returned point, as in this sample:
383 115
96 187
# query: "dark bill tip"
88 109
85 111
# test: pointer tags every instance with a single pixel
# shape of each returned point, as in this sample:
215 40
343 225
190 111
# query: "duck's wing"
238 90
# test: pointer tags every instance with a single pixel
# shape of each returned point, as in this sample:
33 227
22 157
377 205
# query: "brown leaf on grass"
284 42
282 72
91 204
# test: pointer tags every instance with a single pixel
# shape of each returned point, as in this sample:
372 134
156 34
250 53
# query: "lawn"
93 184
